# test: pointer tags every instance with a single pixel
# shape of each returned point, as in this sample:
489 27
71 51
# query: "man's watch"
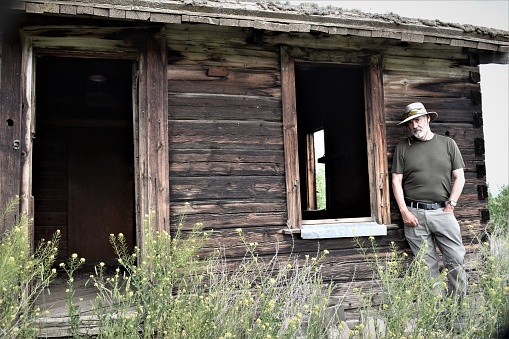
452 203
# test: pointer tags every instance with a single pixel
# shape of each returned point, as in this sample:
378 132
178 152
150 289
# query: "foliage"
412 304
320 187
499 208
175 293
73 310
23 276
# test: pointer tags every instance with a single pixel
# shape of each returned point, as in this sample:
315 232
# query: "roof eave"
244 14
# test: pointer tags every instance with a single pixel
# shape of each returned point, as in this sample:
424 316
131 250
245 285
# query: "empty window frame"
346 102
331 98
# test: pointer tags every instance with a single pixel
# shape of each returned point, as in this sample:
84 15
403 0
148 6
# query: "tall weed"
23 275
172 292
409 303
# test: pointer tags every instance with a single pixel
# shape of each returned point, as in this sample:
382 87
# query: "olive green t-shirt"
427 167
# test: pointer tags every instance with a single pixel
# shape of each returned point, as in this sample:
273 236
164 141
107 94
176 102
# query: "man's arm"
409 218
458 176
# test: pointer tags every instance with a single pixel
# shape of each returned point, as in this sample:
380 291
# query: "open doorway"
332 136
83 154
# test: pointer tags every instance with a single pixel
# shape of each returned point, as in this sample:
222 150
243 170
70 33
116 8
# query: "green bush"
499 208
411 304
175 293
23 276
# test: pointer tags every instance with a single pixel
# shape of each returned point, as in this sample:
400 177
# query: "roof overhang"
277 16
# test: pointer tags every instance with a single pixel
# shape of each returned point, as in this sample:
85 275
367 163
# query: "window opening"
315 167
332 140
319 148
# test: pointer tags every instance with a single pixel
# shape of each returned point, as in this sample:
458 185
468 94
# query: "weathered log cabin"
113 108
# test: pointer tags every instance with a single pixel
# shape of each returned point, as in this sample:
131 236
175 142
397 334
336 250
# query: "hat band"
413 112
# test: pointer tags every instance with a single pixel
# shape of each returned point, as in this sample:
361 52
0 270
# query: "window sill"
341 230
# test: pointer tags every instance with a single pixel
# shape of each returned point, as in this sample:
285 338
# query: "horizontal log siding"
443 85
226 150
225 133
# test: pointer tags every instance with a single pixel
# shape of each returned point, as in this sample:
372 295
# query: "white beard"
421 133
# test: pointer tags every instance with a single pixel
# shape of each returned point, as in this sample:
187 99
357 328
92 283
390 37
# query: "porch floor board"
53 321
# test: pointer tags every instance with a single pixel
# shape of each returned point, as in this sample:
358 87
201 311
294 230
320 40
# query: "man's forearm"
397 189
457 186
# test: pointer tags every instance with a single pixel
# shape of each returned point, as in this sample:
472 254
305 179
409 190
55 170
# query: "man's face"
419 127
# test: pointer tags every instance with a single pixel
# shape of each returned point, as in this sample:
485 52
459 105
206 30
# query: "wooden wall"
225 133
226 136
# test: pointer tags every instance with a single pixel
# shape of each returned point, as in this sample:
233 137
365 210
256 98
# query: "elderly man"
427 180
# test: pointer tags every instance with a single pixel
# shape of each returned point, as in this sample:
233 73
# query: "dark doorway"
330 100
83 158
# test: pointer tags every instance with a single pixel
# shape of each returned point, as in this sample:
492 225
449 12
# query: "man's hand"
449 208
409 219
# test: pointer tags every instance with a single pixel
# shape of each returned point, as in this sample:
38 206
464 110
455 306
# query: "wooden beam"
290 140
377 145
157 128
10 126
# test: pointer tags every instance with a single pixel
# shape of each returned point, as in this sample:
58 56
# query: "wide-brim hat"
415 110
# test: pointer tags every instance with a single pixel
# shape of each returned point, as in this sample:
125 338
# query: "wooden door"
101 190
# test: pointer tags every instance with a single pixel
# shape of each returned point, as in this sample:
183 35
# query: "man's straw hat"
415 110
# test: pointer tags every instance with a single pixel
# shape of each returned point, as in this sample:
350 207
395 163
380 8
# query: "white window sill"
341 230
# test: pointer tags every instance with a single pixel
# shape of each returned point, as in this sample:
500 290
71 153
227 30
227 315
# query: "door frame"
146 47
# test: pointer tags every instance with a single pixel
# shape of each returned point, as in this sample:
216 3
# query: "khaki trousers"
437 227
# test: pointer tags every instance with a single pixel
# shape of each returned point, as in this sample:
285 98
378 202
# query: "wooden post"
290 140
377 144
10 124
153 130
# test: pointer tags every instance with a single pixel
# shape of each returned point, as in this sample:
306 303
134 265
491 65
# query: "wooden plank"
157 128
243 156
234 221
201 33
27 133
376 141
225 135
311 203
10 128
230 206
219 54
290 140
140 117
412 85
204 188
91 39
449 109
238 82
430 67
226 168
333 56
201 106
